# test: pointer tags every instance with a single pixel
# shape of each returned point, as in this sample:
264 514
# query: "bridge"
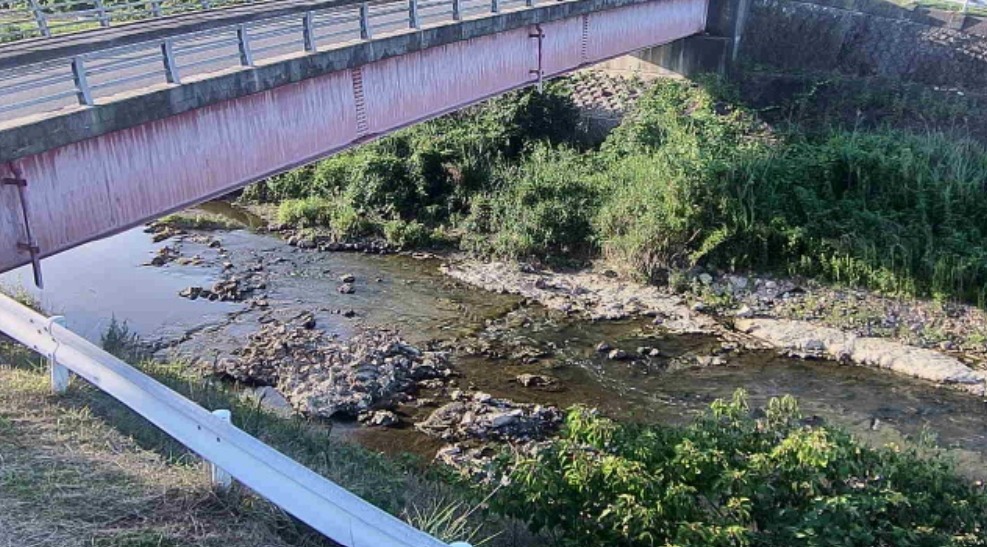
103 130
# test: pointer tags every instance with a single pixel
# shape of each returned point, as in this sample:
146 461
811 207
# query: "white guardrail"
317 501
85 79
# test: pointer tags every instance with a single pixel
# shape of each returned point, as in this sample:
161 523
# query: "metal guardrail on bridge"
22 19
90 77
320 503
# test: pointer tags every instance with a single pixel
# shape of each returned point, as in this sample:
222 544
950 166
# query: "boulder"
483 417
617 354
380 418
536 380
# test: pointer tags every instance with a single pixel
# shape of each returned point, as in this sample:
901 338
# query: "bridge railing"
22 19
86 79
325 506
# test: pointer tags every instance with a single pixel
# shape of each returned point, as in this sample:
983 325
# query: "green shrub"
698 180
406 234
739 478
541 208
429 173
305 213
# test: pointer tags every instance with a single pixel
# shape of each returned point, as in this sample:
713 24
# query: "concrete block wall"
867 38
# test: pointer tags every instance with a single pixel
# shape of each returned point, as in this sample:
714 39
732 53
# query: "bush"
542 208
431 172
733 478
698 180
305 213
406 234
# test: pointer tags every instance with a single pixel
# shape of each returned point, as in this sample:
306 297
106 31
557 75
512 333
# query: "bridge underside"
111 182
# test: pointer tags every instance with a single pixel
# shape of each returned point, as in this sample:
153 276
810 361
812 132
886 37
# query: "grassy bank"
81 469
692 178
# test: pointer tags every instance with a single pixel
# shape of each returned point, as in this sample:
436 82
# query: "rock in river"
380 418
321 376
536 380
484 417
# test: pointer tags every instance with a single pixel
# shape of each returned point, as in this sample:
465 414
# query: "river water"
107 279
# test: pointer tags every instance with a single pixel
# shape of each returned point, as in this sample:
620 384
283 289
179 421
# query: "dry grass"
68 478
82 470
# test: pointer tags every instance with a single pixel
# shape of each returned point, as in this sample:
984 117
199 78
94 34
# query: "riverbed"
494 338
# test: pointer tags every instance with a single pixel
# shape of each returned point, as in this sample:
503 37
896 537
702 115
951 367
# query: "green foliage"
739 478
540 208
688 178
406 234
422 178
698 180
305 212
336 214
448 521
120 341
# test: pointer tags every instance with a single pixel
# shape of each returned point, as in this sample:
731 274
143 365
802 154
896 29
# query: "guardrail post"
413 14
219 477
82 90
243 42
365 33
457 12
59 375
529 3
494 6
205 4
156 8
40 18
308 34
104 19
168 59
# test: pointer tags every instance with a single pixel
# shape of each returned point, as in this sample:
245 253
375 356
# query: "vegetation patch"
690 178
737 477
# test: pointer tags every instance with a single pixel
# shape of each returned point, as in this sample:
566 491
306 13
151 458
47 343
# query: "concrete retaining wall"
867 38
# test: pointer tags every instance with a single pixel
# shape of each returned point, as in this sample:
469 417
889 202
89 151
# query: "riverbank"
451 291
538 337
515 364
80 469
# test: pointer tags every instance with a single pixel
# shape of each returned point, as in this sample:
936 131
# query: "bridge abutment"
714 51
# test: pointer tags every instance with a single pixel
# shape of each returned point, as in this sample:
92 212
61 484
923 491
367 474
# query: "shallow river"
107 279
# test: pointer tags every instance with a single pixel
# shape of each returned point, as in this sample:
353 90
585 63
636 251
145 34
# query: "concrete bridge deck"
201 114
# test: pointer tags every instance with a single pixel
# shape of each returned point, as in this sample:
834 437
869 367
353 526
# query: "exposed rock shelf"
804 339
